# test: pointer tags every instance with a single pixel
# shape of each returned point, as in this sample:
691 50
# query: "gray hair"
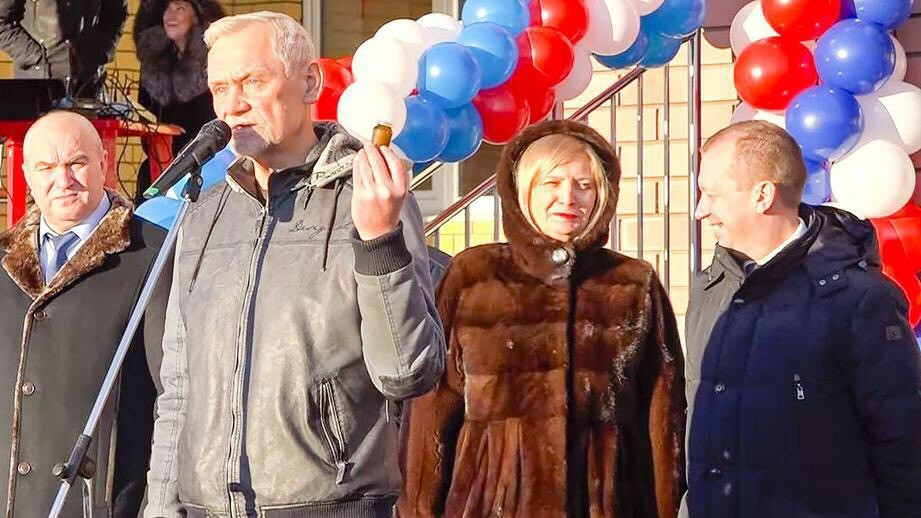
291 43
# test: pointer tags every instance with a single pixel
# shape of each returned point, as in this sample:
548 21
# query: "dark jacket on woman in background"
564 385
173 88
804 383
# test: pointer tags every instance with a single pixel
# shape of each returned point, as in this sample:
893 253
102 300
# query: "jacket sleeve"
136 404
162 490
434 422
662 388
401 333
14 40
885 366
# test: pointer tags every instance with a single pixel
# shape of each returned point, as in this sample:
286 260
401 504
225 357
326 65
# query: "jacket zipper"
800 393
332 429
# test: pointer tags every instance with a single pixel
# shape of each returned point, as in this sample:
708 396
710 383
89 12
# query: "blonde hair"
546 154
291 43
766 152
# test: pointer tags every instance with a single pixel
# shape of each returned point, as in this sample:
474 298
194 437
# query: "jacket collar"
21 259
540 256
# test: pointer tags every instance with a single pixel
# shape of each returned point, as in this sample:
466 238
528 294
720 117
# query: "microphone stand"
74 467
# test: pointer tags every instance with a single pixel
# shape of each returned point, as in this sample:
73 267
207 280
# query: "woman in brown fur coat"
563 392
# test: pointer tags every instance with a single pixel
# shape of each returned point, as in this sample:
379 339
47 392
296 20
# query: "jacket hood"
166 76
538 254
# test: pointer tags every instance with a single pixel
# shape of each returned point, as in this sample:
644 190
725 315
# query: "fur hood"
533 251
168 78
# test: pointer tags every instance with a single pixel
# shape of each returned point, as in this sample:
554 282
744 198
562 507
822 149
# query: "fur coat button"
560 256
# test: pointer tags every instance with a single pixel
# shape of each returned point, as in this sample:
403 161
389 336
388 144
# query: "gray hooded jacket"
286 339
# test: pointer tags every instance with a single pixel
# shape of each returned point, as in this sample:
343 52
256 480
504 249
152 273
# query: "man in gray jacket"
301 305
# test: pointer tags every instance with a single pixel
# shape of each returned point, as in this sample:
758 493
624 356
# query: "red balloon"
898 266
545 56
346 62
504 111
770 72
570 17
801 20
334 79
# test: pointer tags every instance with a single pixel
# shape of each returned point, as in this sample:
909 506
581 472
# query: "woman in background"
563 392
174 81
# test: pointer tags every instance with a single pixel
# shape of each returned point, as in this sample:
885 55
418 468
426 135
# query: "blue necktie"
61 244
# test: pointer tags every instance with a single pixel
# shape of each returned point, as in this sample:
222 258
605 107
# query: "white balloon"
644 7
387 60
901 61
580 77
873 181
440 27
877 124
414 36
903 102
613 26
749 25
747 112
365 104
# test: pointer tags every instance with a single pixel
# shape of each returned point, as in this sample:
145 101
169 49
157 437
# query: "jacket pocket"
332 428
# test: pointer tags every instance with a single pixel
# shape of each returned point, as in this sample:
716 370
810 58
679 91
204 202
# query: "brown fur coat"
564 387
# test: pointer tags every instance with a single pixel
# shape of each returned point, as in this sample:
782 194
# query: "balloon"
160 211
749 26
770 72
425 134
386 60
540 103
875 180
334 78
825 121
465 134
511 14
440 27
494 49
877 124
345 61
364 104
677 18
901 61
580 77
644 7
817 189
505 112
903 105
613 26
856 56
414 36
545 56
907 226
888 14
747 112
801 20
660 51
449 75
897 265
570 17
629 57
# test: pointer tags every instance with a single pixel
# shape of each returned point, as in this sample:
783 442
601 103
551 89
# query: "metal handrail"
486 185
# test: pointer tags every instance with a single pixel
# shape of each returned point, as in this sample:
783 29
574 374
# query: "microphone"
212 138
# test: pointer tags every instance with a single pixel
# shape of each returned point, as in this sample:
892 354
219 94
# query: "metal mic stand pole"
69 471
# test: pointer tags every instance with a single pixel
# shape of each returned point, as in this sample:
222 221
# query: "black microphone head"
219 130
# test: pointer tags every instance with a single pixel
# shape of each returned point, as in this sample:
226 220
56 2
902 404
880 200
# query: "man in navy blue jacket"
804 377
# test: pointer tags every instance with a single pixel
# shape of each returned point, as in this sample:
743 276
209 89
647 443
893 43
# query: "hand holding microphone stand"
212 138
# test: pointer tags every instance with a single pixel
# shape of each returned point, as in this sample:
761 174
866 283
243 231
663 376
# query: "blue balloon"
449 75
677 18
661 50
825 121
160 211
629 57
511 14
418 167
856 56
818 185
888 14
425 134
494 49
848 10
465 134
